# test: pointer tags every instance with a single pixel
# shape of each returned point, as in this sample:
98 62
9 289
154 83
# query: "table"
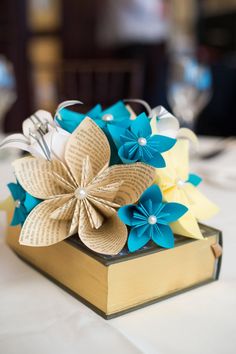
38 317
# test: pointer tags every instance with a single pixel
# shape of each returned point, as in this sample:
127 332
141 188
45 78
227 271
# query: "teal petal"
69 119
118 110
153 193
136 242
141 126
172 212
156 160
163 236
94 112
161 143
194 179
125 213
30 202
116 133
17 192
19 216
122 154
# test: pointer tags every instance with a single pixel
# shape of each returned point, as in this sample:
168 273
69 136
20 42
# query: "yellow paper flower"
82 195
172 181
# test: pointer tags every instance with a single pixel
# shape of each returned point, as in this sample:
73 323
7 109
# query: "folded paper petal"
135 242
187 226
34 176
30 202
87 139
136 179
164 236
70 120
126 214
164 123
141 126
161 143
194 179
173 211
153 193
119 112
109 239
40 230
17 192
201 207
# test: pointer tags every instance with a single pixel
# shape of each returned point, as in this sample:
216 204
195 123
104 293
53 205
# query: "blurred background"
180 54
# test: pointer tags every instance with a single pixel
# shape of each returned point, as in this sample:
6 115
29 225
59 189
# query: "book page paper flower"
176 187
82 195
138 144
150 219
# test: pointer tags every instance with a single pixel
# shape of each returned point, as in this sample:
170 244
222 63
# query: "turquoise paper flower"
24 203
150 219
137 143
116 115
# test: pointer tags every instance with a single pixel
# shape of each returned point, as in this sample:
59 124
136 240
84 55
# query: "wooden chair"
103 81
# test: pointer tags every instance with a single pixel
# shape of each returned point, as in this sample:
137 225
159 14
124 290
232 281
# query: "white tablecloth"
38 317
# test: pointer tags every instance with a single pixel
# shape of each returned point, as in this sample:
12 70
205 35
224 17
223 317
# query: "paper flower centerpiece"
150 219
82 195
71 186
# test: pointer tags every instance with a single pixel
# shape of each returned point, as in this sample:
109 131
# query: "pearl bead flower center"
81 193
142 141
180 182
107 117
17 203
152 219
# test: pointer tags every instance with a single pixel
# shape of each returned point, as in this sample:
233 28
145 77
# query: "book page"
110 238
41 230
35 176
87 140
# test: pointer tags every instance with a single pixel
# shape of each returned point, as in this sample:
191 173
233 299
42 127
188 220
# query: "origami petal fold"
39 184
87 137
110 238
70 120
141 126
194 179
40 230
135 242
164 237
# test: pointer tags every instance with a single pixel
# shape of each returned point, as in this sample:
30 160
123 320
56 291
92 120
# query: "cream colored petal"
136 178
201 207
187 226
36 176
109 239
177 159
165 178
87 140
40 230
66 210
